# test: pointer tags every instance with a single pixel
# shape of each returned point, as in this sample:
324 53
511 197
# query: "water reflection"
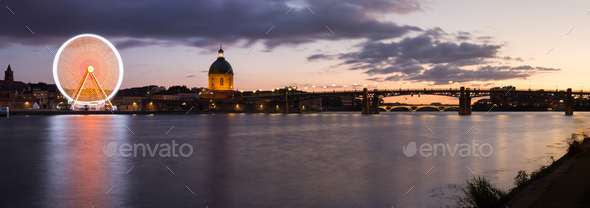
267 160
76 167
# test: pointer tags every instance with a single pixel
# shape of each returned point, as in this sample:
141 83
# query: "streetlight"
375 85
386 86
556 85
456 85
432 83
479 85
344 87
355 87
305 89
324 88
451 85
582 86
408 86
334 87
313 88
424 85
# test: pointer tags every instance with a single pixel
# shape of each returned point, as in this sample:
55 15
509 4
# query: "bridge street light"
432 83
451 85
334 87
400 86
456 85
375 85
424 85
556 85
581 86
408 86
530 86
313 88
324 88
344 86
355 87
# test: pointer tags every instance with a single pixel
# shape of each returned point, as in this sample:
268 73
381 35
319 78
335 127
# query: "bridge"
370 98
415 108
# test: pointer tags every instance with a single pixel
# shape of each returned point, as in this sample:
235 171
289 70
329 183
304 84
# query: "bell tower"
8 75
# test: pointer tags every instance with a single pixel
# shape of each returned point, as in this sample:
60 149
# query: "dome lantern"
220 53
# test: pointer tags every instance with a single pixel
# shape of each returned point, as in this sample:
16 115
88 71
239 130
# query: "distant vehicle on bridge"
436 103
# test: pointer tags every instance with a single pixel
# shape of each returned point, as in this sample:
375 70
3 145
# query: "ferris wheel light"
88 57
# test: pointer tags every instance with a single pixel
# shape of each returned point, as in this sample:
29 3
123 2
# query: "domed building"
221 74
220 78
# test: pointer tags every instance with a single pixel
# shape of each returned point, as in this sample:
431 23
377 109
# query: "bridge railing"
418 90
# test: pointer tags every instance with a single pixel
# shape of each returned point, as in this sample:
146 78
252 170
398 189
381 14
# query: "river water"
268 160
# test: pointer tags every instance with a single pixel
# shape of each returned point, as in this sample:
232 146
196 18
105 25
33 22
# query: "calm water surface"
268 160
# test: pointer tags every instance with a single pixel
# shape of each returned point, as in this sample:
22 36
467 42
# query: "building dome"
220 66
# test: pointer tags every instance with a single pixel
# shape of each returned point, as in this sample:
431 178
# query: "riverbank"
67 112
564 184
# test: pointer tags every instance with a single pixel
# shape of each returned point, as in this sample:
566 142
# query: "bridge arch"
415 108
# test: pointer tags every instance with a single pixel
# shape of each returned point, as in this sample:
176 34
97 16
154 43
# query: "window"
212 82
230 84
221 81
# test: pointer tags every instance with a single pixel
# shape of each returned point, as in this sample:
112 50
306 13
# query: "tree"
178 88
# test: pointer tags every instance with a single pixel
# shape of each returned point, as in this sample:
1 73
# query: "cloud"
129 43
190 76
320 56
432 56
203 23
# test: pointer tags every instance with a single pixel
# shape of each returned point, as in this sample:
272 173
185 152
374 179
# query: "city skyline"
311 43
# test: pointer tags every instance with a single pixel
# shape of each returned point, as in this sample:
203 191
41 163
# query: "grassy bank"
480 193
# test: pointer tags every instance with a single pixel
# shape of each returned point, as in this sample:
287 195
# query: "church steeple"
220 53
8 74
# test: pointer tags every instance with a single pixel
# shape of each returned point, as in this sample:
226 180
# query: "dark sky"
394 51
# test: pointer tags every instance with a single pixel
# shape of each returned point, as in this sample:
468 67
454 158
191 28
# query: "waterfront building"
220 79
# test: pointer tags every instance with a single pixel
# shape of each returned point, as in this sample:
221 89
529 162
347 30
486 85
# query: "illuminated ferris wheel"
88 71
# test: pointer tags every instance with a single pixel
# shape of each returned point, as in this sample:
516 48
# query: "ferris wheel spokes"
90 73
97 85
80 86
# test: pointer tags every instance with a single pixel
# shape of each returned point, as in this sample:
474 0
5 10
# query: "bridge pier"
365 102
367 107
375 105
298 105
569 103
286 103
287 107
464 102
